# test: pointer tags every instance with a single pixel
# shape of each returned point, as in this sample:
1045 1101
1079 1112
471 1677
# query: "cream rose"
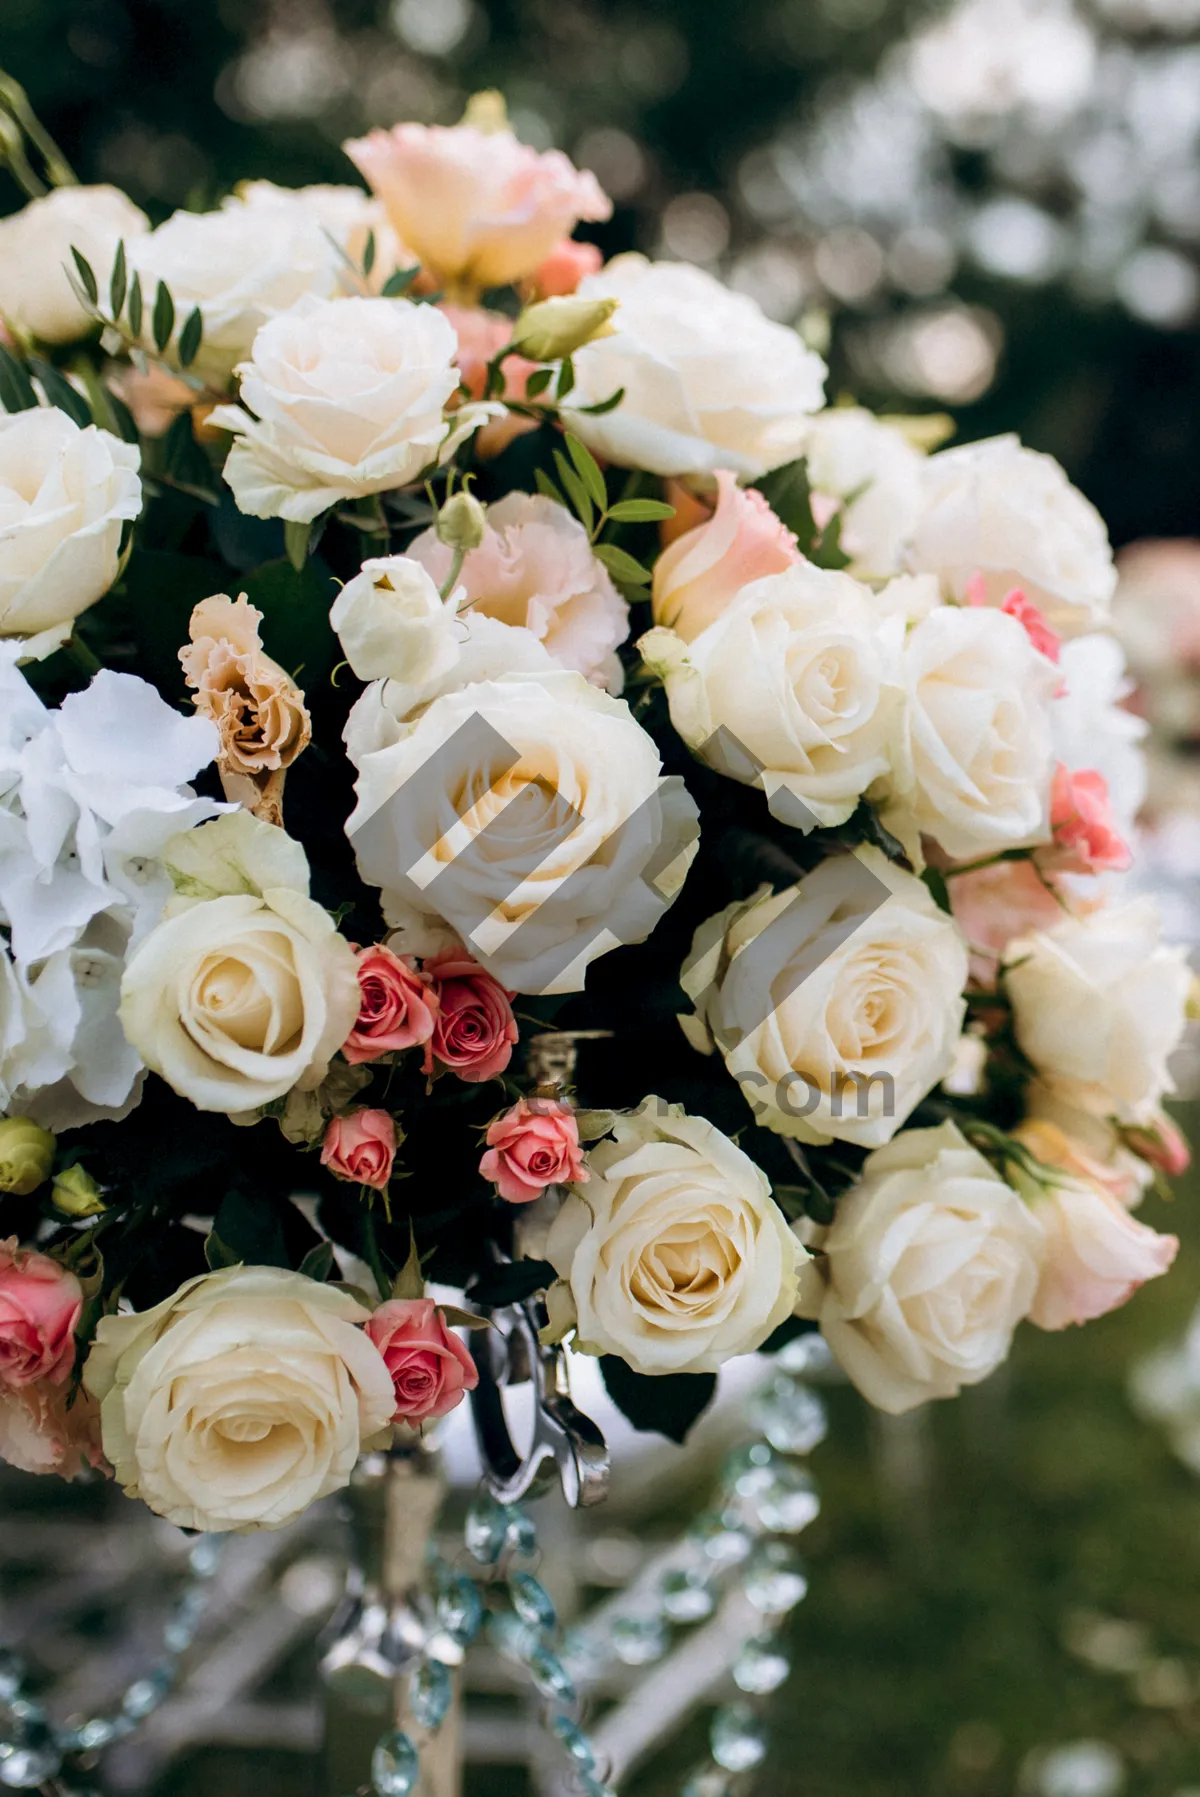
674 1256
36 294
975 753
346 213
709 381
837 1003
1010 514
530 815
928 1266
870 473
393 624
799 672
65 497
241 1399
1099 1006
245 989
348 397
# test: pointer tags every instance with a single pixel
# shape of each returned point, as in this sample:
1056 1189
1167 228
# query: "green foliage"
667 1404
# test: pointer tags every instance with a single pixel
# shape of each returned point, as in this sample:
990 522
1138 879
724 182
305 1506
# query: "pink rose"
993 904
361 1147
532 1146
1086 839
429 1365
479 208
535 568
1096 1255
40 1302
1045 640
1162 1144
480 335
474 1030
1118 1175
698 574
43 1429
564 268
397 1006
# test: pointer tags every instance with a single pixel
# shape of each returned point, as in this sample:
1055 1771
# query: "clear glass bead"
639 1640
510 1636
486 1529
395 1765
808 1355
787 1501
145 1694
574 1742
792 1418
738 1738
521 1536
585 1652
721 1538
762 1666
459 1607
774 1579
205 1556
532 1602
12 1673
550 1675
686 1595
91 1735
29 1753
430 1690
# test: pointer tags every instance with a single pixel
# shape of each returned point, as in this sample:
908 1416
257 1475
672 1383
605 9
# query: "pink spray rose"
993 904
361 1147
45 1430
429 1365
474 1030
1086 839
1044 638
397 1006
563 269
40 1302
698 574
532 1146
1096 1255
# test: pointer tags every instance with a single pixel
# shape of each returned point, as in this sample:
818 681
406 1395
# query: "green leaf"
318 1262
410 1281
789 495
218 1254
538 382
86 275
621 565
123 418
512 1281
118 282
668 1403
250 1230
60 393
135 305
368 261
566 378
640 511
295 537
576 490
189 337
295 607
594 1124
399 283
16 388
589 473
547 488
602 405
935 880
462 1319
164 316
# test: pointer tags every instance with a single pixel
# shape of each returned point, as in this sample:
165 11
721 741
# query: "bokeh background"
986 207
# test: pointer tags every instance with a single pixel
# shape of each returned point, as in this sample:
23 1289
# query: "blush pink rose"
698 574
46 1429
474 1030
430 1367
532 1146
1086 838
397 1006
1119 1175
993 904
1162 1144
481 334
563 269
361 1147
40 1302
1044 638
1096 1255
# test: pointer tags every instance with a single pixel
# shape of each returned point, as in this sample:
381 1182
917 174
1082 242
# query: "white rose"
929 1265
798 671
348 398
241 1399
393 624
975 756
346 213
873 473
837 1003
674 1255
1093 727
241 266
593 850
1099 1005
65 497
36 294
1010 514
245 989
709 381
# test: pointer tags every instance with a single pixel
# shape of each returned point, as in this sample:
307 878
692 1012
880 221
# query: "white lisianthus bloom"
241 265
928 1267
36 264
871 473
1099 1006
1093 728
346 397
1011 515
593 850
674 1256
709 381
393 623
245 989
837 1003
799 672
975 755
66 494
241 1399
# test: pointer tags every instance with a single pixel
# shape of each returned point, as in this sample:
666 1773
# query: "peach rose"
40 1302
474 1029
1096 1255
397 1009
698 574
360 1148
993 904
46 1429
478 207
480 335
430 1367
564 268
258 709
532 1146
1086 837
153 394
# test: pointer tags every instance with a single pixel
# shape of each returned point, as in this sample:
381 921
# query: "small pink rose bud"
40 1302
698 574
532 1146
429 1366
397 1008
474 1029
565 267
1086 839
361 1147
1161 1143
1096 1255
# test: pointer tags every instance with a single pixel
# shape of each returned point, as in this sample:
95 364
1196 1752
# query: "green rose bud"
76 1192
26 1155
554 328
461 522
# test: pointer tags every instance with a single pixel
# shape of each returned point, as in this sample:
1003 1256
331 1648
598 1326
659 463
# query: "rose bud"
462 522
361 1147
1086 838
474 1029
1096 1255
698 574
532 1146
26 1155
1161 1143
430 1367
397 1010
553 328
76 1193
40 1302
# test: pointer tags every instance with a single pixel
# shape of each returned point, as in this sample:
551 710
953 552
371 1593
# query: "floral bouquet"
509 801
